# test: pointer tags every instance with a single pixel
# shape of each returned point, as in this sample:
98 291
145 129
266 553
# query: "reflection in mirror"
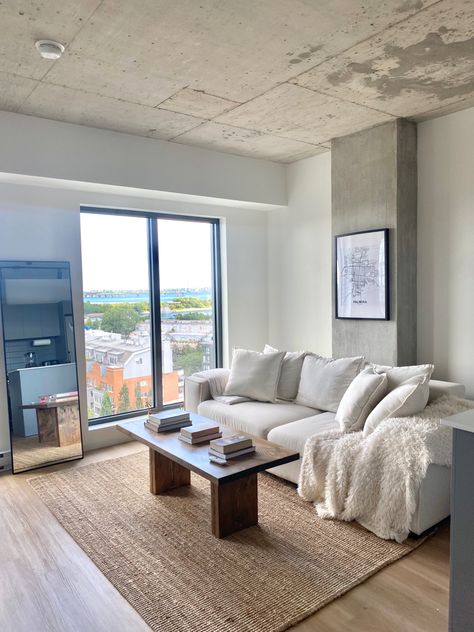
40 361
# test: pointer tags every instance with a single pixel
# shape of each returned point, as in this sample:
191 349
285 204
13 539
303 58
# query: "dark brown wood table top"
195 457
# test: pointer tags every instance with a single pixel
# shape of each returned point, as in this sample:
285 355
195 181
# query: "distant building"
112 362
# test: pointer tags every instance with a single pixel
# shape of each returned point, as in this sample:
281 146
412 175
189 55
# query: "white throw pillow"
290 373
398 374
364 393
407 399
254 375
325 380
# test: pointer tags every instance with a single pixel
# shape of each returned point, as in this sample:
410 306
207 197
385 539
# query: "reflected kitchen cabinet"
41 373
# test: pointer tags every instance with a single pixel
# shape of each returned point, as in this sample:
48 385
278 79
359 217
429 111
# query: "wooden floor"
47 583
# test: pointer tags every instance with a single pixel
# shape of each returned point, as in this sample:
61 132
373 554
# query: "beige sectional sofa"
290 425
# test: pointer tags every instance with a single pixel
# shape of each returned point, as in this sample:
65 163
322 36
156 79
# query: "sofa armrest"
439 388
202 386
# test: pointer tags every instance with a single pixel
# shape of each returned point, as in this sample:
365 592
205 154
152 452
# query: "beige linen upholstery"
291 425
294 436
324 381
407 399
255 375
256 418
199 386
438 388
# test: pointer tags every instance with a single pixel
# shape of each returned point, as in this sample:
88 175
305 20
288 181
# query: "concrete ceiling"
274 79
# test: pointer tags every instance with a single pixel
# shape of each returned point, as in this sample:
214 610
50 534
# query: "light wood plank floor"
49 584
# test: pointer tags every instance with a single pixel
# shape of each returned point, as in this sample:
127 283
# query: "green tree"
189 358
138 397
189 302
193 316
106 407
124 399
120 319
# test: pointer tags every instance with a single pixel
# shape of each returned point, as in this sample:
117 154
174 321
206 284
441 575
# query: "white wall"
299 260
40 220
446 246
38 147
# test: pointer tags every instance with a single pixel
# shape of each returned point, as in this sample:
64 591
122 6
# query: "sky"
115 257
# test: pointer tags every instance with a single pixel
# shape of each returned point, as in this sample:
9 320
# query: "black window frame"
155 295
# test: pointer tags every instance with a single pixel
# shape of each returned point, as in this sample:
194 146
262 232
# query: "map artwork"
361 275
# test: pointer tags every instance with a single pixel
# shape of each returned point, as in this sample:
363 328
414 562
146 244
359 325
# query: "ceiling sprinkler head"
48 49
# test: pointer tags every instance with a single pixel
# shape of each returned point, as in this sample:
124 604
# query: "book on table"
169 416
218 457
227 445
200 439
175 422
200 430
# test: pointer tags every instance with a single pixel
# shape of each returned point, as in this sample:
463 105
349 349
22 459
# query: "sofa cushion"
294 435
407 399
325 380
256 418
398 374
290 373
364 393
255 375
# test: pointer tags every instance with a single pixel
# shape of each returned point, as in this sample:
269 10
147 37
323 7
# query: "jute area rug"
159 553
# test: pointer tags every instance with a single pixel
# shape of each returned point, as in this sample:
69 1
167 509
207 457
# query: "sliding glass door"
151 308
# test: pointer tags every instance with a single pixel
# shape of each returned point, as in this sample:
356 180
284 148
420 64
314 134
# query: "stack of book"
223 450
200 433
168 420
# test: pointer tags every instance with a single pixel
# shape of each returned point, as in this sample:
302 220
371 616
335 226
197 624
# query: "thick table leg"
165 474
234 505
48 425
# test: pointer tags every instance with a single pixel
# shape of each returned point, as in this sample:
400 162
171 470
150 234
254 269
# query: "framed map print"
361 261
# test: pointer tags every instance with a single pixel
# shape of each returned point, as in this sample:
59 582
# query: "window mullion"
155 311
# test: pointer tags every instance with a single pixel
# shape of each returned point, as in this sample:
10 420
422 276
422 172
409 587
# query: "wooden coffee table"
234 499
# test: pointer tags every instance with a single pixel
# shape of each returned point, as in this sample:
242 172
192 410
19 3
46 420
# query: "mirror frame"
46 265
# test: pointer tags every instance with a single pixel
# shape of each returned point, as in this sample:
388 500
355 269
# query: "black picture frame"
371 305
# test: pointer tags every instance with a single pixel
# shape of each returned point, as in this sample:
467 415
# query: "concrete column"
374 185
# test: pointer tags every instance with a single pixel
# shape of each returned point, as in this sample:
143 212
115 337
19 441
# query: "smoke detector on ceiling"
48 49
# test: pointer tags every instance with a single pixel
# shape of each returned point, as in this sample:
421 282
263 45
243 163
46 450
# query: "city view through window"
117 309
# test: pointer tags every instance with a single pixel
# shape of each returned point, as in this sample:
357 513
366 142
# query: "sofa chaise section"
290 425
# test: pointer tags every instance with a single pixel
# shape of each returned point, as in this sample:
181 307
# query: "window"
186 297
151 307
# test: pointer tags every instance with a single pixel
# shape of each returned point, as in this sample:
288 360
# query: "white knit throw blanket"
376 480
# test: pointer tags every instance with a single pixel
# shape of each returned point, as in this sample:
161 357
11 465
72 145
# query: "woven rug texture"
159 553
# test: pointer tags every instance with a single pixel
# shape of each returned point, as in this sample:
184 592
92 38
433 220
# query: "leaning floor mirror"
40 363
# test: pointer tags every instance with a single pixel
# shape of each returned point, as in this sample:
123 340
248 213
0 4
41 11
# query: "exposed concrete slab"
22 23
128 80
248 143
424 63
14 90
301 114
198 103
76 106
197 59
232 49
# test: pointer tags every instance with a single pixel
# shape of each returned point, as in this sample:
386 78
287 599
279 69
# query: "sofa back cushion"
396 375
255 375
324 381
290 373
409 398
364 393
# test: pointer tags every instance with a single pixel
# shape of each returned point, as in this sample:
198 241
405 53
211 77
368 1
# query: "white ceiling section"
275 79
